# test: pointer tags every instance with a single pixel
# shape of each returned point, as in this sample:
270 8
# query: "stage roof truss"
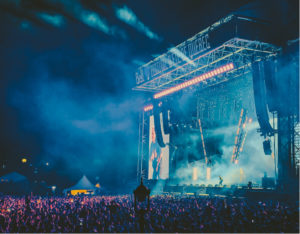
238 51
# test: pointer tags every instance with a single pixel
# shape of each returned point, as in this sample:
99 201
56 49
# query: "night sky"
67 72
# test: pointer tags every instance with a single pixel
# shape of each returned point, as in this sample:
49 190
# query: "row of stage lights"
148 108
195 80
191 82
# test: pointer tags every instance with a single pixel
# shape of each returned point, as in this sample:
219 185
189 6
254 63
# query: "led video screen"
158 166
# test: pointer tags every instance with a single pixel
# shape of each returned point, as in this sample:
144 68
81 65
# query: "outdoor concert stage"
222 105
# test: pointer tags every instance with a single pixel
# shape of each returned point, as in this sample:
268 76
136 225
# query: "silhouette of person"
155 155
249 185
140 195
220 180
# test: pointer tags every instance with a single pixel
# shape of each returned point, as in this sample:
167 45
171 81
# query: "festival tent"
14 183
83 186
12 177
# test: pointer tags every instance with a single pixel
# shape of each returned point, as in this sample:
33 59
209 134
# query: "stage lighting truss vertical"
296 147
202 139
240 137
288 144
275 145
237 136
141 146
285 135
288 147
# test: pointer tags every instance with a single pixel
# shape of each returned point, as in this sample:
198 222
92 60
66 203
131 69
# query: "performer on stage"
220 180
155 155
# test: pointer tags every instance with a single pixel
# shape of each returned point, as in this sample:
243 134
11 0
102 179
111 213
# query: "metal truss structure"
296 147
288 148
289 129
240 137
141 171
240 52
203 143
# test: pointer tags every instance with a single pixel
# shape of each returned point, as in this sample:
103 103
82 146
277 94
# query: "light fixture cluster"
148 108
195 80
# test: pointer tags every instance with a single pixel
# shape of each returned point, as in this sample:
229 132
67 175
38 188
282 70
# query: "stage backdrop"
158 157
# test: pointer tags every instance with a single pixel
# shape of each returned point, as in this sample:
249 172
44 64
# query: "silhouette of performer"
249 185
220 180
155 155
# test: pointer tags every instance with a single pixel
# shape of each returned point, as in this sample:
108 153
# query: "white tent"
82 186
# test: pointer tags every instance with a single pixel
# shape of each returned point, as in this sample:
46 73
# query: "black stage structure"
222 62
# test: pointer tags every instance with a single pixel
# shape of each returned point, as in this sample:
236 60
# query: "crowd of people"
167 213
